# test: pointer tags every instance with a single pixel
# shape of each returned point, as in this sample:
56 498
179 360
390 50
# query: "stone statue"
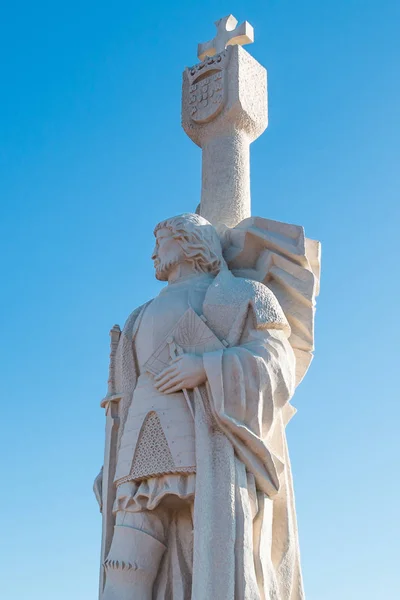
196 489
204 504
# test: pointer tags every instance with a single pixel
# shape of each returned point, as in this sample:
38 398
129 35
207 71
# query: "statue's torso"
158 435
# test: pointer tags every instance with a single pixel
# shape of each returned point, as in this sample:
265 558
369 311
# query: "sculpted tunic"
240 443
158 436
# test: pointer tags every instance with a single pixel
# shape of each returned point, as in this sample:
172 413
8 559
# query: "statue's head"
186 239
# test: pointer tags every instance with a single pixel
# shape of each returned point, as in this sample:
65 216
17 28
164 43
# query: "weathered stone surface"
234 85
196 490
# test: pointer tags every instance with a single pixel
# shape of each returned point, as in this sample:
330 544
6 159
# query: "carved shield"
207 87
207 97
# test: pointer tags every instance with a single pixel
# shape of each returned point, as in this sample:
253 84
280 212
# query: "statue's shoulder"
232 297
132 322
264 302
267 310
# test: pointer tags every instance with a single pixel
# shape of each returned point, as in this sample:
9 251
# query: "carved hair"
198 239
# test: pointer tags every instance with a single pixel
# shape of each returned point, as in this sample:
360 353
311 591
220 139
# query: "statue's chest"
158 320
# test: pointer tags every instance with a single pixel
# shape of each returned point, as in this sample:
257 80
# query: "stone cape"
233 449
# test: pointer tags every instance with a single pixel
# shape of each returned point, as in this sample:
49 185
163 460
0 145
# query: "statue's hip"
158 435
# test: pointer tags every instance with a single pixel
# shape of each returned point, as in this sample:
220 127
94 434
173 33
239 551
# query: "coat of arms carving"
207 88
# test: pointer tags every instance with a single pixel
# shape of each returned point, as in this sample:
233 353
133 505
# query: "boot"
132 565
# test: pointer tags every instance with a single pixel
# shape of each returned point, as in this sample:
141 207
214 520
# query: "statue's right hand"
98 488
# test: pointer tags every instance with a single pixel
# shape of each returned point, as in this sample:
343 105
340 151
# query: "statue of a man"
204 507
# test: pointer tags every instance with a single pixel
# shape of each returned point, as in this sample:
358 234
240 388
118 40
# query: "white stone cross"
229 33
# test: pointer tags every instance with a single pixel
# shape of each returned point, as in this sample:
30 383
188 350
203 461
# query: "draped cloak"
240 418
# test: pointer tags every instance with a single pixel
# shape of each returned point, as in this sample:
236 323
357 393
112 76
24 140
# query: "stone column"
224 109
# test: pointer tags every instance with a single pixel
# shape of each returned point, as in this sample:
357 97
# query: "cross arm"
229 33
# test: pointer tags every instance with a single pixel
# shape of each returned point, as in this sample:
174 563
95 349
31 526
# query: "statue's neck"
182 271
189 278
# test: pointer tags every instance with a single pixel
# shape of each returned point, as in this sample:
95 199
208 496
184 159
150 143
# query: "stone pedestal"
224 109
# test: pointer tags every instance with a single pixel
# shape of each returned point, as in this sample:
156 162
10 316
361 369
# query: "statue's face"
167 254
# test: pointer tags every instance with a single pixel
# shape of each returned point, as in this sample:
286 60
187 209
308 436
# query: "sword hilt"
115 334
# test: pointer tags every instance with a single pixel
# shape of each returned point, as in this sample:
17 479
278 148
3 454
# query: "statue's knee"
134 557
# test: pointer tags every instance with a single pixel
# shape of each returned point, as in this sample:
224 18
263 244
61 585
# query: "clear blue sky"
92 155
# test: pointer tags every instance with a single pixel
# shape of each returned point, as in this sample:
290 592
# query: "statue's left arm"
249 387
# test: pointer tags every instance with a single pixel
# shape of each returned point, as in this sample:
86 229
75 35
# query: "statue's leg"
135 555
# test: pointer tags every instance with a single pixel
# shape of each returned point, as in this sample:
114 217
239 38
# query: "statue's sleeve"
249 387
125 371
